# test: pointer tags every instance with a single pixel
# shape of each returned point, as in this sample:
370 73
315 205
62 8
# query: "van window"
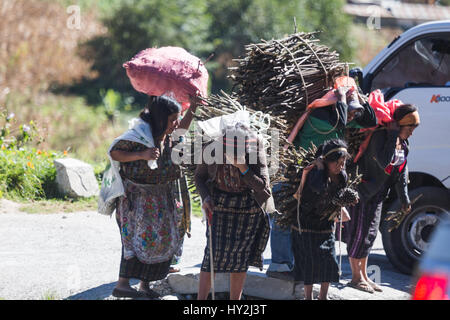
425 61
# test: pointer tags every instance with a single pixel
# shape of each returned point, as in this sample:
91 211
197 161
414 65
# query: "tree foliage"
206 26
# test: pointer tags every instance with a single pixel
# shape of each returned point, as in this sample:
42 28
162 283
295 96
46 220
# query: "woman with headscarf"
237 199
313 238
155 203
383 165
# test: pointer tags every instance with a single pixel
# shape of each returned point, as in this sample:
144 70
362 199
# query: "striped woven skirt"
361 231
240 232
315 257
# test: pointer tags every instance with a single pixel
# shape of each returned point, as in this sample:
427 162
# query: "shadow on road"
98 293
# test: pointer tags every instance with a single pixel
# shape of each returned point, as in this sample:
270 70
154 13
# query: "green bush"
27 173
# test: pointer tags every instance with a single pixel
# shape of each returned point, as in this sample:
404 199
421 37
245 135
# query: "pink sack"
168 70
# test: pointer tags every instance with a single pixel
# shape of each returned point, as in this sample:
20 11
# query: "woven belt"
312 231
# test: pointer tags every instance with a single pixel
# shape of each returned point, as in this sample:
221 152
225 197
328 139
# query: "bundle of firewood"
354 137
266 126
283 195
281 77
331 204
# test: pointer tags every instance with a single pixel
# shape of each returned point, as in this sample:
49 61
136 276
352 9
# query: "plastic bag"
215 127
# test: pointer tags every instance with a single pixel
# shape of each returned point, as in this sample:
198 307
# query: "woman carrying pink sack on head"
153 211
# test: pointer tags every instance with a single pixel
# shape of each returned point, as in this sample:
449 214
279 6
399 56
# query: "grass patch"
59 206
50 295
196 208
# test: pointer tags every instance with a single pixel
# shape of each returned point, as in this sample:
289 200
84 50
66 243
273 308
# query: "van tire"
403 246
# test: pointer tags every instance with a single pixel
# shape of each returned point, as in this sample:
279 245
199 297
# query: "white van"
415 68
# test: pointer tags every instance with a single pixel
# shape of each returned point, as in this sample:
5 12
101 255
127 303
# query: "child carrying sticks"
313 238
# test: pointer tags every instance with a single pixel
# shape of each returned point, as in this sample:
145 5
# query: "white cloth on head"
215 127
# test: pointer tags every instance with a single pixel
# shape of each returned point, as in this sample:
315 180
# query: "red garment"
384 112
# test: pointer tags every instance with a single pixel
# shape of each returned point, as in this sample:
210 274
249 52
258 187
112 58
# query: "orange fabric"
364 144
297 127
345 81
328 99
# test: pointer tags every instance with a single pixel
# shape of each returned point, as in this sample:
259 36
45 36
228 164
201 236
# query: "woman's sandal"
127 293
363 286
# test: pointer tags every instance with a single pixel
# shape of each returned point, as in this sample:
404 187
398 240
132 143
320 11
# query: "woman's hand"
238 162
341 93
298 194
194 101
345 216
150 154
406 208
208 207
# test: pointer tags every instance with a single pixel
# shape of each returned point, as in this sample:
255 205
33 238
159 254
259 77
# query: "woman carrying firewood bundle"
236 197
313 238
325 123
383 165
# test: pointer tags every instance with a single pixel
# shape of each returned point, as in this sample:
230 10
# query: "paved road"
76 256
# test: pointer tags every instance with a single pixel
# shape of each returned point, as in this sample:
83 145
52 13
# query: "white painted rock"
170 297
75 178
188 284
255 285
269 288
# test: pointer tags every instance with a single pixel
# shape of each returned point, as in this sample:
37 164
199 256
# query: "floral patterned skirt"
148 217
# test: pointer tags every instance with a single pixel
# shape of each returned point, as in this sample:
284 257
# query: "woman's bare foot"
374 286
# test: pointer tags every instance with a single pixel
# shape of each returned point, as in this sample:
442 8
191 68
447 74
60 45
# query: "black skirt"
315 257
135 269
240 232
